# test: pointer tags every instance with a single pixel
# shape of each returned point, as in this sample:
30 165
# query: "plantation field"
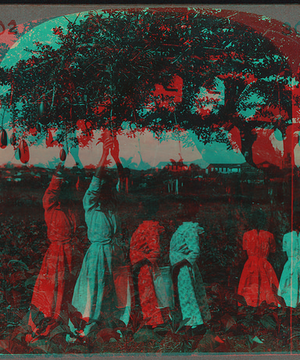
234 327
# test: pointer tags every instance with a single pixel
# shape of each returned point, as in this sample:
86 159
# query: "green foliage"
107 65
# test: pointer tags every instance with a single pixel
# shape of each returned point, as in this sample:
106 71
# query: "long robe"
258 276
289 281
145 245
95 296
191 291
54 284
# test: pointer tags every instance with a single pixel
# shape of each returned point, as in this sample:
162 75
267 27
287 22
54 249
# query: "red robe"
258 275
53 287
145 244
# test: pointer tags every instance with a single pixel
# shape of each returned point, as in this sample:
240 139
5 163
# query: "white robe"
191 291
289 281
97 274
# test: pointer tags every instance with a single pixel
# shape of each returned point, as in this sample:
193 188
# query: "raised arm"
74 151
91 197
115 153
100 169
51 194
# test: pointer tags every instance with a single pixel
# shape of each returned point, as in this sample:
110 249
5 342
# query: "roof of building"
224 165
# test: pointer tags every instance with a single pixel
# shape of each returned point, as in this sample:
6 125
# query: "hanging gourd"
49 139
44 118
24 152
3 139
13 139
62 155
41 108
17 153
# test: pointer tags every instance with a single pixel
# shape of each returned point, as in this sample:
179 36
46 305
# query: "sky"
142 151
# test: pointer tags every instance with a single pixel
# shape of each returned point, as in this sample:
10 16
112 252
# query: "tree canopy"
107 68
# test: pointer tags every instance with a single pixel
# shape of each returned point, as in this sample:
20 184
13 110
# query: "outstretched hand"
107 141
115 150
107 145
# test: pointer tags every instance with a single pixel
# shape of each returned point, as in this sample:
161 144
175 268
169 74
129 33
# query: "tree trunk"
248 137
233 89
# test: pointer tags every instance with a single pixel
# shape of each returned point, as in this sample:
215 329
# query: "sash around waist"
101 241
257 258
60 241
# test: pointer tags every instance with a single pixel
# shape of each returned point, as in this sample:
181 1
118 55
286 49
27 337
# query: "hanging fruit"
41 107
43 115
3 139
62 155
13 139
49 139
24 152
17 153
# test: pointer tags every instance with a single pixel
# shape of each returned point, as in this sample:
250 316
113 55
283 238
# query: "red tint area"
168 97
263 149
145 245
87 135
258 275
234 137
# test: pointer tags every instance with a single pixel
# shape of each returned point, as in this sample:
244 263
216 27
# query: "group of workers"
107 288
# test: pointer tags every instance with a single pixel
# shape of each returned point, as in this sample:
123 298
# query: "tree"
100 74
108 68
240 59
267 103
